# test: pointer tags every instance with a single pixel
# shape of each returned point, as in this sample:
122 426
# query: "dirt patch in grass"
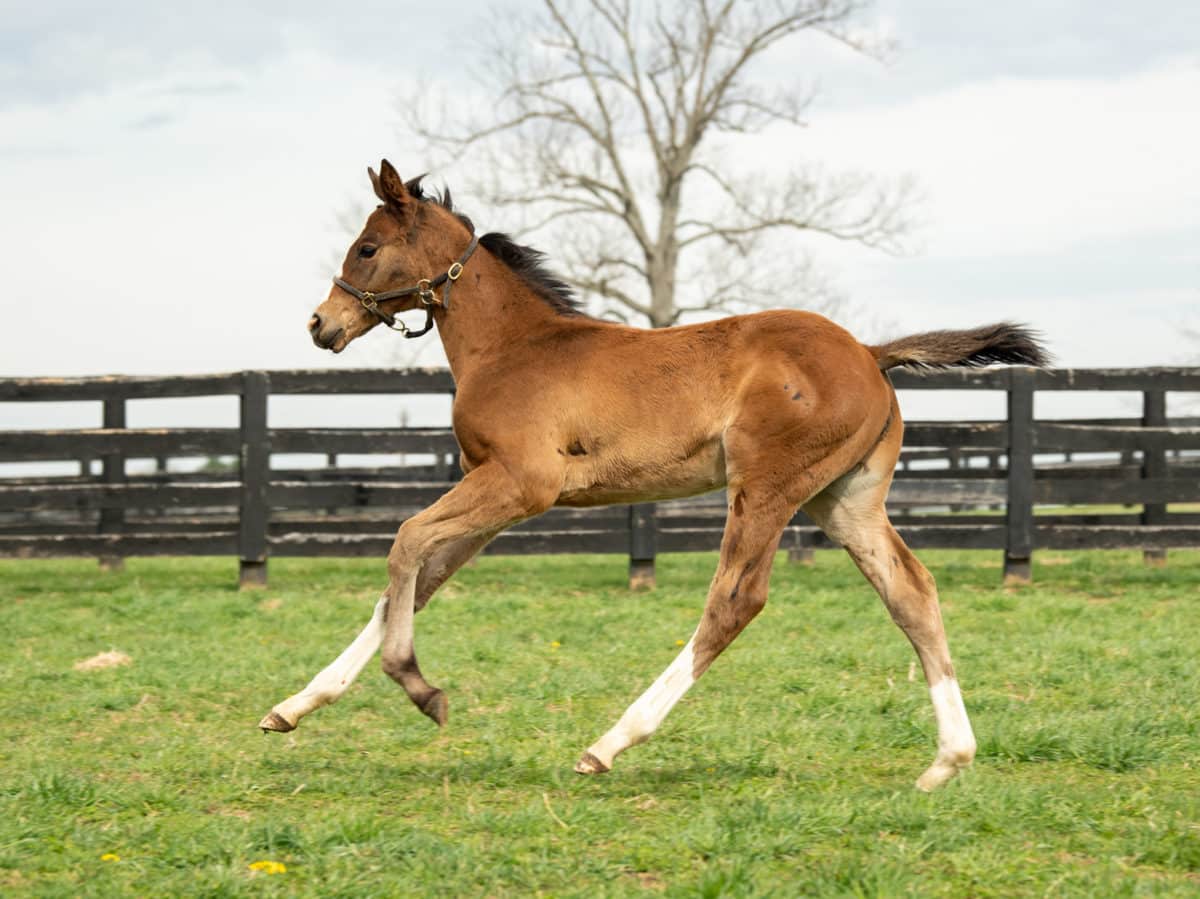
100 661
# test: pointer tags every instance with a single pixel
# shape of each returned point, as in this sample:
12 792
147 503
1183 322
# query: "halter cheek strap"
424 290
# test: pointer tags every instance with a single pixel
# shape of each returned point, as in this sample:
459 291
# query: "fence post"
1154 465
112 520
642 546
800 550
1018 547
255 473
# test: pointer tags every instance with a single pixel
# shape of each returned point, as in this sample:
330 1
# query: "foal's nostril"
314 323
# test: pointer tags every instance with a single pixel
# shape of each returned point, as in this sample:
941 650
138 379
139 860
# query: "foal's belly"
617 477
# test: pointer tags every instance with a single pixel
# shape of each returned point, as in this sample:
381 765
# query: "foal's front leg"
485 502
329 685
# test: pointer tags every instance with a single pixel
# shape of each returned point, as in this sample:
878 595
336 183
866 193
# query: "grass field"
787 771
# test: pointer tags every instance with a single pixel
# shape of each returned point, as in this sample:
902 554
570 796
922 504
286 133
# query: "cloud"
151 120
197 244
1072 202
1051 39
55 52
1036 165
173 211
63 50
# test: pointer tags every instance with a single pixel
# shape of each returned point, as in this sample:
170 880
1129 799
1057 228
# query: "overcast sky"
171 172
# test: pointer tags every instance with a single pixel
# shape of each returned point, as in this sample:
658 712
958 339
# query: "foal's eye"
366 251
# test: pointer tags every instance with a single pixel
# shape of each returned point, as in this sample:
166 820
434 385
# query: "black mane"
526 262
530 265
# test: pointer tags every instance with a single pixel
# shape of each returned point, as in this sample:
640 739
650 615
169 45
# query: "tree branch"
603 136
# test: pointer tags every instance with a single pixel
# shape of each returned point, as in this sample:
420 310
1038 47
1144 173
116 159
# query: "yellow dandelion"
110 857
679 643
269 867
554 644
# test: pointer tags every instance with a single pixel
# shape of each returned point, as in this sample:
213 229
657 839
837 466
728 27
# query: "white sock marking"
954 728
646 714
956 741
336 678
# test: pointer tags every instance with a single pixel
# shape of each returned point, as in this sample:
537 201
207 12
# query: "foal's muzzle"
325 335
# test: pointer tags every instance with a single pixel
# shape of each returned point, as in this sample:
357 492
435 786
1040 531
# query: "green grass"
786 771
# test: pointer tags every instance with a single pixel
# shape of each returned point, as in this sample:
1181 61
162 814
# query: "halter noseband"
423 289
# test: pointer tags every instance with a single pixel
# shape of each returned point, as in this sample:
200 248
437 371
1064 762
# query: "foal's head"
403 241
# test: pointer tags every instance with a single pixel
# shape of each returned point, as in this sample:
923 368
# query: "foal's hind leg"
738 593
335 679
851 512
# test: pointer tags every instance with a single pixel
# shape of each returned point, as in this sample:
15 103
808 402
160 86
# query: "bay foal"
785 409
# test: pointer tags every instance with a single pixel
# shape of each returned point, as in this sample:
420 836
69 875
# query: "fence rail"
955 478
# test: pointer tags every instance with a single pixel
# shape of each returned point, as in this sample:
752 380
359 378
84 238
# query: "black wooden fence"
954 477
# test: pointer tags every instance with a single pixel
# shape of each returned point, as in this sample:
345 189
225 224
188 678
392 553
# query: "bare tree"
615 126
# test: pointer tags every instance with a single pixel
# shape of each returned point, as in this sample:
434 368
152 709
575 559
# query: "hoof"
937 774
437 707
947 765
277 723
589 764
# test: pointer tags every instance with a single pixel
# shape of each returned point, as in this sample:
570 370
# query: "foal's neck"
492 310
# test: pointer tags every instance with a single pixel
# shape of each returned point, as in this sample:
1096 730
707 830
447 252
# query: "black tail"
1000 344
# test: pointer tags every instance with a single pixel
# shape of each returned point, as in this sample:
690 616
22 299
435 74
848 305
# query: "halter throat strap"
423 289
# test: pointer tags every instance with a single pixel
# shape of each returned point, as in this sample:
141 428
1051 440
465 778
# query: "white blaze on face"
646 714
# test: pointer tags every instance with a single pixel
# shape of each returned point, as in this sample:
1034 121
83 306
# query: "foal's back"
634 415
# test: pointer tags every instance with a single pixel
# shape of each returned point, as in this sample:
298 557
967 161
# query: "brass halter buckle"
367 301
425 292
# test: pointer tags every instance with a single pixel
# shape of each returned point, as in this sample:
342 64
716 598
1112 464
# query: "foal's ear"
376 185
390 187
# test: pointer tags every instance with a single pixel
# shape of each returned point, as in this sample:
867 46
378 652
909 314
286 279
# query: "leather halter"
424 289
